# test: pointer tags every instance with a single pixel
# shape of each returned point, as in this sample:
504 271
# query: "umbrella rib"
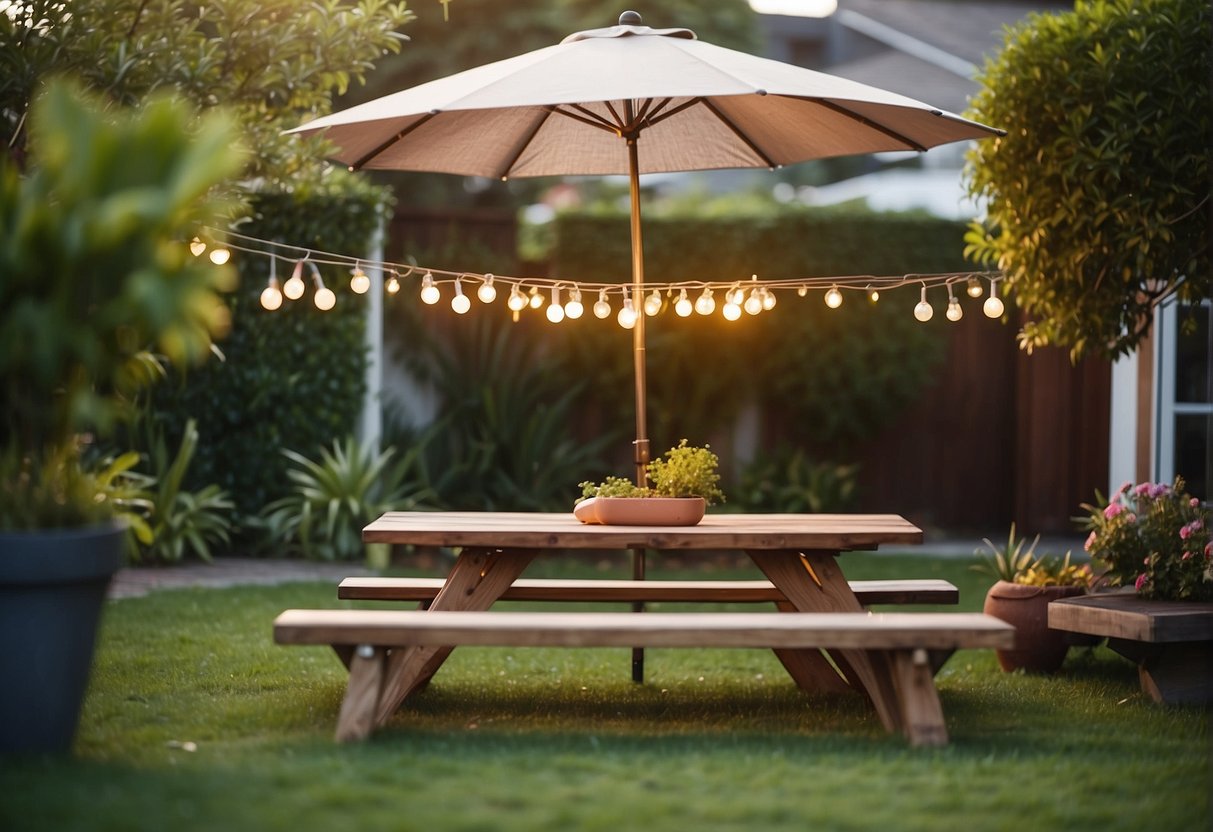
595 116
522 146
368 157
657 119
651 114
737 131
599 124
851 114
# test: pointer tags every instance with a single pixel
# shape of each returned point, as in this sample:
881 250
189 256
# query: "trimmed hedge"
831 376
291 379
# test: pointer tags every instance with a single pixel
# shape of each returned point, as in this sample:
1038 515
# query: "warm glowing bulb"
429 292
802 291
954 313
731 311
197 247
683 306
735 296
359 282
536 298
992 307
705 304
461 303
294 287
271 295
516 301
833 297
324 299
487 291
627 315
753 304
873 295
220 255
573 309
602 308
652 304
555 311
393 285
768 299
973 288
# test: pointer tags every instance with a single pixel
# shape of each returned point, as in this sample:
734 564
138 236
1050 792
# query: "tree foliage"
1098 196
272 63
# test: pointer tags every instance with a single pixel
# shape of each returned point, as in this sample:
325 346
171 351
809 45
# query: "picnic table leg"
921 713
478 578
357 717
812 582
810 669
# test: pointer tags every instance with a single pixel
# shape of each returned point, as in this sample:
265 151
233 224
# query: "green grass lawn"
546 739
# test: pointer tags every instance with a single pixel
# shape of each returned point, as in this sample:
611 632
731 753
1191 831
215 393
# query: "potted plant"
684 483
94 273
1026 585
1155 538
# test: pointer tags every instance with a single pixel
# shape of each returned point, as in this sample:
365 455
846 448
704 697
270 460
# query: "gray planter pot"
52 588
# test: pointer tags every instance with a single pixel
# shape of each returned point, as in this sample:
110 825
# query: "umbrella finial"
629 18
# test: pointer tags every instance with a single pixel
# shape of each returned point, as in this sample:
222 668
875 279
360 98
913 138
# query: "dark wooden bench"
898 643
1170 641
523 589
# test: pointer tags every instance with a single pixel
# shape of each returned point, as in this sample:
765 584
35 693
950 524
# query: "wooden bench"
1170 641
523 589
897 642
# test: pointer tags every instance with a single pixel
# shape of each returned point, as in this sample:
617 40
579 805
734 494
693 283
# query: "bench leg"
478 579
357 718
917 698
812 582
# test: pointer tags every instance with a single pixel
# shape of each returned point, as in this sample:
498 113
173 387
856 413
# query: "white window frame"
1166 326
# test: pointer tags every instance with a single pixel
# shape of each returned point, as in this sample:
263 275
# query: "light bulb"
516 301
627 315
197 247
923 310
753 304
973 287
768 299
461 303
294 287
735 296
393 285
802 291
705 304
271 295
487 291
573 309
833 297
359 282
536 300
220 255
873 295
429 292
731 311
954 313
555 311
602 308
683 306
652 304
324 298
993 306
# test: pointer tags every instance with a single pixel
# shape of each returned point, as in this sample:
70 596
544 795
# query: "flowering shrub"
1154 537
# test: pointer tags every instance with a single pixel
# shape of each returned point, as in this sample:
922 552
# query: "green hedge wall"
293 378
831 377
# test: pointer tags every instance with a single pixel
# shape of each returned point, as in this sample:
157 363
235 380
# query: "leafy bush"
335 497
1098 195
681 472
790 481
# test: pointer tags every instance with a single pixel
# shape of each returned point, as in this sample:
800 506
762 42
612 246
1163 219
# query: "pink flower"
1159 490
1185 532
1144 488
1186 556
1124 487
1209 549
1112 510
1193 502
1141 580
1090 542
1130 518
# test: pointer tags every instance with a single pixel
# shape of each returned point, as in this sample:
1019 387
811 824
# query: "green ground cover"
537 739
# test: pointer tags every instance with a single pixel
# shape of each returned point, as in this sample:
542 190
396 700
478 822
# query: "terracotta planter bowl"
641 511
1037 648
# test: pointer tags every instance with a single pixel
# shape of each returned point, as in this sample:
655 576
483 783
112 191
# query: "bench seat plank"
524 589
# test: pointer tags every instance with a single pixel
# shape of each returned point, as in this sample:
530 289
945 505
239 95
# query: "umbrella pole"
641 444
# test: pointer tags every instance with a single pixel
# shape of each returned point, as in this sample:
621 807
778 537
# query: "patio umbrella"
630 99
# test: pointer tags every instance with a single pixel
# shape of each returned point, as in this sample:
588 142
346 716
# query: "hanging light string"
751 296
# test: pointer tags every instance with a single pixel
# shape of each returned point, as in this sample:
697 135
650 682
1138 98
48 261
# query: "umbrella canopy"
629 99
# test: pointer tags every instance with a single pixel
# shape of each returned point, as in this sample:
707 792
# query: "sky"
795 8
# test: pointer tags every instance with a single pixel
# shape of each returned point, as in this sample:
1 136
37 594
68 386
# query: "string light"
993 307
271 295
705 304
652 304
627 315
753 304
393 284
197 247
973 287
954 313
833 298
487 291
324 298
555 311
461 303
516 302
220 255
536 298
293 288
573 309
602 308
683 306
923 310
802 291
873 295
429 292
359 282
732 309
768 299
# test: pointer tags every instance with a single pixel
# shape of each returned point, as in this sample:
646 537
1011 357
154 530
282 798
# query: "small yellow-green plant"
683 471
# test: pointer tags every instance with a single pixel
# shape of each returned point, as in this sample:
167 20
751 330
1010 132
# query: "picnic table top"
561 530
